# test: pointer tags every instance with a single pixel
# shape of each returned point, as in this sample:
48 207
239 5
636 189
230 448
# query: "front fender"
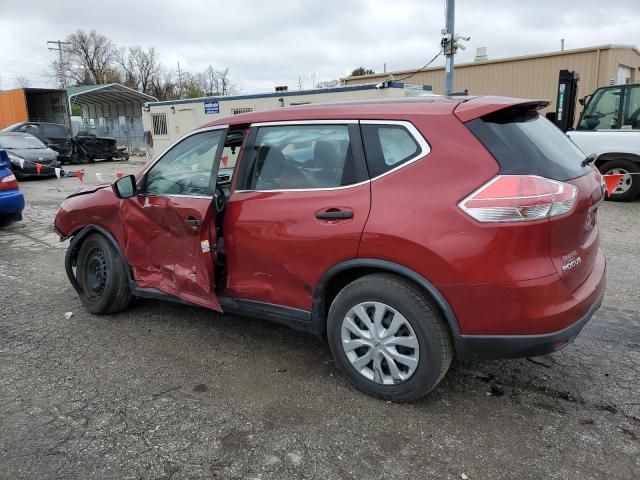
74 246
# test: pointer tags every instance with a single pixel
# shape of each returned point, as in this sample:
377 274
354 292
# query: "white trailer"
169 120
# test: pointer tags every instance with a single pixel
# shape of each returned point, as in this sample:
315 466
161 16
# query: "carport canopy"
112 100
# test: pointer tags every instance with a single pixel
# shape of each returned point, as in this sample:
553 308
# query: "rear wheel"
102 276
629 186
388 338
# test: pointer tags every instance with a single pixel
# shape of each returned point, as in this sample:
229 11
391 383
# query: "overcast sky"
268 43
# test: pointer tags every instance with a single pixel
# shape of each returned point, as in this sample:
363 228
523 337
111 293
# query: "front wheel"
629 186
388 338
102 276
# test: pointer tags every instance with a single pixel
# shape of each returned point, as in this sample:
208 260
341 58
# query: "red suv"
408 231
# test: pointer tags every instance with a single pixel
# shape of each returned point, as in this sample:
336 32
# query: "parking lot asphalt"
168 391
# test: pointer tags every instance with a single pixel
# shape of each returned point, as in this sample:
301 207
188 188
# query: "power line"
421 68
63 77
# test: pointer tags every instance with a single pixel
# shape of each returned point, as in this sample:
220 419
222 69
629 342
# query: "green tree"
362 71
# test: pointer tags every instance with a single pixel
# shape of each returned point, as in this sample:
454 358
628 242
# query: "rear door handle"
334 215
193 221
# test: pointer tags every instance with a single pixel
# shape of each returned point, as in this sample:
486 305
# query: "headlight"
15 159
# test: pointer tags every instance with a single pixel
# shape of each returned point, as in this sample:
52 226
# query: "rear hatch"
523 142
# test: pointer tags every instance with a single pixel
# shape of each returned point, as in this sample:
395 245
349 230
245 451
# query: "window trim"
425 148
143 174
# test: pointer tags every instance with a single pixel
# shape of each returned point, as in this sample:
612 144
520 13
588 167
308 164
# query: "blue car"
11 198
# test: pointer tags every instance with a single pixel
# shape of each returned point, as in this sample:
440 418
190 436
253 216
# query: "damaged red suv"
407 231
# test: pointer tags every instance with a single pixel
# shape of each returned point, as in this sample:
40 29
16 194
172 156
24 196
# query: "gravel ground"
168 391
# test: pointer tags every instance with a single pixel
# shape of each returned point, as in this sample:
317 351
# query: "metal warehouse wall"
534 76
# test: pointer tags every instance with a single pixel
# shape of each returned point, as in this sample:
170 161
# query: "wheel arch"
608 156
341 274
74 247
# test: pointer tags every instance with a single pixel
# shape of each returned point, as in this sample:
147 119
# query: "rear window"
53 131
526 143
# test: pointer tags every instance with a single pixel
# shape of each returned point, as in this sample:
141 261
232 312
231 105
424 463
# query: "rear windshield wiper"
590 159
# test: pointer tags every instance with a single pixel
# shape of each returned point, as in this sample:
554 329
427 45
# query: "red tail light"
9 182
518 198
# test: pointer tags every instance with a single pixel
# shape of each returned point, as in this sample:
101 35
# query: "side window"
388 146
301 157
54 131
631 114
186 168
602 111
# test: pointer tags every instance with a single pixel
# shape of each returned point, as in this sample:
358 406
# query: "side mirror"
125 187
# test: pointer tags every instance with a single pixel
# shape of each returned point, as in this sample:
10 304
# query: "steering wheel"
219 200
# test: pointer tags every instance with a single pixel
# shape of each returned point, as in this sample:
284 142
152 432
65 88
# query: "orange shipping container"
13 107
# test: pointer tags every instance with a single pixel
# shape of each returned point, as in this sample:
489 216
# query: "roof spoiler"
481 106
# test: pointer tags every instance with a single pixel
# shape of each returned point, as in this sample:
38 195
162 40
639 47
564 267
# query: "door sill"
294 318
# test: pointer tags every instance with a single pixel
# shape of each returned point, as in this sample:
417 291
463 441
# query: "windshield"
17 141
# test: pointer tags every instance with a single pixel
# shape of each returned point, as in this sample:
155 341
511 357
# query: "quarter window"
186 168
301 157
388 146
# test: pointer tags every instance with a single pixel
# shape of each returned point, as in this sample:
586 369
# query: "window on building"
159 121
240 110
301 157
388 146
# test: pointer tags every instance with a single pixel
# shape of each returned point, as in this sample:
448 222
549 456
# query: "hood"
88 189
35 154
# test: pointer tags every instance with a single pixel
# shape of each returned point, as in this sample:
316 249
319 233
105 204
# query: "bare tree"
165 86
212 81
217 82
140 67
90 57
328 84
23 82
227 87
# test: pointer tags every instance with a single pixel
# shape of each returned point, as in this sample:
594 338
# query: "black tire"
629 166
434 340
102 276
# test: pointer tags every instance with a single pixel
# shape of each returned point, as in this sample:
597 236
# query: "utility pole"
450 44
448 69
63 76
179 81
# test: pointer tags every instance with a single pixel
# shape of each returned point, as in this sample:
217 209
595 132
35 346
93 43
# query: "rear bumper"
11 204
531 324
488 347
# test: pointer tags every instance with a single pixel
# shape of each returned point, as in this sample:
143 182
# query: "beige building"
529 76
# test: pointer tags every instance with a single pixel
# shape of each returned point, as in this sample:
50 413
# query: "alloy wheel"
625 182
380 343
